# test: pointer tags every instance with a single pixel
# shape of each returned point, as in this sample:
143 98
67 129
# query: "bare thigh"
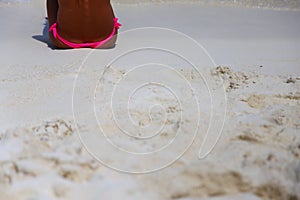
110 43
57 43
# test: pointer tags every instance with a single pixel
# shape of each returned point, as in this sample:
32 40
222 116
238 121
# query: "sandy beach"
203 104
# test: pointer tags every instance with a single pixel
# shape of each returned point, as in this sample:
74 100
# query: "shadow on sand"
45 36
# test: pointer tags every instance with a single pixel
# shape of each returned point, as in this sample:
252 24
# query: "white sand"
257 156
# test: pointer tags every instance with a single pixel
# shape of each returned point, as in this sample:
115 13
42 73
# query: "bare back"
84 20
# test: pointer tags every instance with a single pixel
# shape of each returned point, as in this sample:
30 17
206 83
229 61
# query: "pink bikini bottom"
94 45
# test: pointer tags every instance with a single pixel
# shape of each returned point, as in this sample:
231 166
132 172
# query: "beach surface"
219 84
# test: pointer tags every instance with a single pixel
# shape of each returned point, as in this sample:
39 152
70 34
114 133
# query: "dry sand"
257 156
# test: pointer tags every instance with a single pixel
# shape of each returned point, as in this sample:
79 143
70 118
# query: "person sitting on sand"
82 23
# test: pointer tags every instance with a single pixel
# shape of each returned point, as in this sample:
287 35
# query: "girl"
82 23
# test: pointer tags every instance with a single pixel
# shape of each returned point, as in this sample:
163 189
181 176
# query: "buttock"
107 45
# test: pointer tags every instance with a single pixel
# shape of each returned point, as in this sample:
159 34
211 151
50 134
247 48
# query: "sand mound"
256 158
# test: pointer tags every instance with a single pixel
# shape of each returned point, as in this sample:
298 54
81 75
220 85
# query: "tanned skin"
81 21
